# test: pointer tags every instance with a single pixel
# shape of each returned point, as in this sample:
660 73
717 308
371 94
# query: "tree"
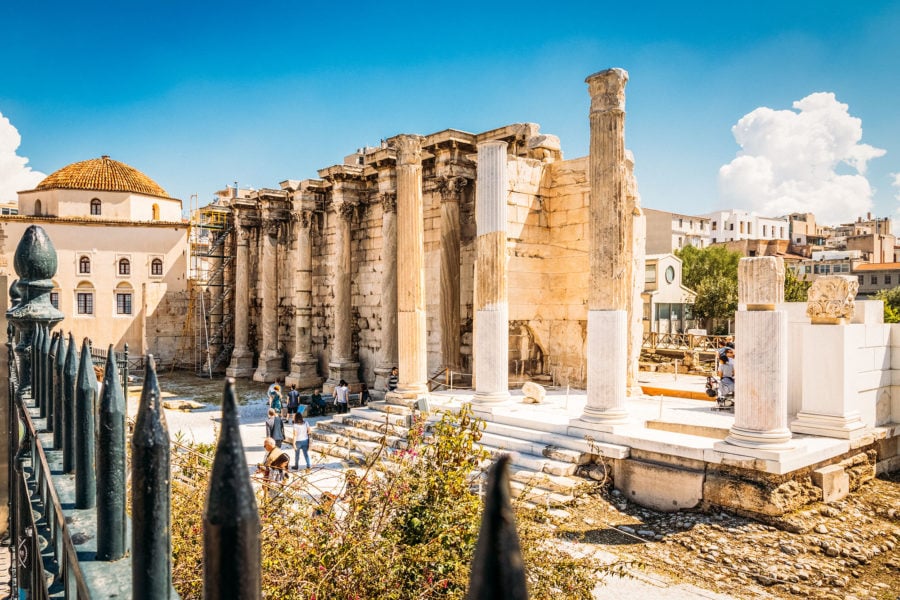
891 299
795 289
711 272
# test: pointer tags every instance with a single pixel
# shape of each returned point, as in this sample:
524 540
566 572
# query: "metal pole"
51 387
59 396
86 388
231 526
36 344
150 495
69 407
111 529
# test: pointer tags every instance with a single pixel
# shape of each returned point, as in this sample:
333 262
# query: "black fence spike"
69 406
85 389
111 530
150 489
231 525
498 571
60 393
45 370
50 383
36 344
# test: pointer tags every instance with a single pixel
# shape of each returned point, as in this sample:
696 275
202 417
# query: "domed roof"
102 174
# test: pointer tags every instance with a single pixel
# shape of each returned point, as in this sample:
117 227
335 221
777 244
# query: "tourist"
726 373
341 397
393 380
301 440
276 462
275 427
364 395
318 404
275 399
293 402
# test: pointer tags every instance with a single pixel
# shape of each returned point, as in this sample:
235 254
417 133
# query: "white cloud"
790 160
896 184
15 176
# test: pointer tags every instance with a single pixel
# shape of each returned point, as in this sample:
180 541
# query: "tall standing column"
611 237
451 189
410 271
760 395
387 353
491 303
303 364
342 364
241 364
269 367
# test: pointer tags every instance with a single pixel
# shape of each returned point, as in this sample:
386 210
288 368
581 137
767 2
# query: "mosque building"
122 248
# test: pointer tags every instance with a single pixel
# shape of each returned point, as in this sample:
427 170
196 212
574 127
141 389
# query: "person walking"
341 397
293 399
301 440
275 427
275 399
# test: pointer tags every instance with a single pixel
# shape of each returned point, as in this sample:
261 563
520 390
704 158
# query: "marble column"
611 238
830 394
760 397
303 364
638 261
450 188
387 352
241 364
269 366
342 364
491 333
411 340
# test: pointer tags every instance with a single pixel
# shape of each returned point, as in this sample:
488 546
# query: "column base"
490 397
269 369
776 439
848 427
241 364
346 370
382 373
304 373
606 421
589 429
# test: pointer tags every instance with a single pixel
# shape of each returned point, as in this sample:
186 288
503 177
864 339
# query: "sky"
769 106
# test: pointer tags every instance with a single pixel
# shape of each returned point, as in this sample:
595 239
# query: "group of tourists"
285 423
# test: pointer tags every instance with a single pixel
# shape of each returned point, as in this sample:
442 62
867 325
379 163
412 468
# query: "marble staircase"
544 466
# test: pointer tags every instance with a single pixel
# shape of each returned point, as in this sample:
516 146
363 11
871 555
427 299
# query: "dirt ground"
839 550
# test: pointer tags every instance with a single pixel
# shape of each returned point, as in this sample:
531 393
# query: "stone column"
830 387
611 238
241 364
410 272
342 364
635 308
760 396
491 333
451 189
303 364
269 366
387 352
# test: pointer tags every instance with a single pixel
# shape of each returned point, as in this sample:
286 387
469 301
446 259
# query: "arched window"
124 266
156 212
95 206
84 298
123 299
84 265
156 267
54 296
37 208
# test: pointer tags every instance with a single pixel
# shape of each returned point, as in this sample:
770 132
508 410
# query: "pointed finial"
85 475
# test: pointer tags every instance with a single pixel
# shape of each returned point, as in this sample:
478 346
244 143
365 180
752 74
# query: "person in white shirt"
341 397
301 440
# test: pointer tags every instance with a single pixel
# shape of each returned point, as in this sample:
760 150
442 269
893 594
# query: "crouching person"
276 464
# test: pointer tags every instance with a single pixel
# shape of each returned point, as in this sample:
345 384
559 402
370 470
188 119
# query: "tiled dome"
102 174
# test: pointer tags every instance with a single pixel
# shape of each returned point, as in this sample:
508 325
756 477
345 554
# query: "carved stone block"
830 300
761 282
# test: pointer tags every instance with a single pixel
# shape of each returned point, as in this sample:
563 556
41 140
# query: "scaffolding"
207 338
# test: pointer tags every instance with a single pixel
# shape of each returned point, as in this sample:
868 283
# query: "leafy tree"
712 273
795 289
891 299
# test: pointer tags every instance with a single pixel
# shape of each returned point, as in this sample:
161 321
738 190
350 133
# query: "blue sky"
198 95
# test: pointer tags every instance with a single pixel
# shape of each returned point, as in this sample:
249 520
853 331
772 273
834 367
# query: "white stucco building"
736 224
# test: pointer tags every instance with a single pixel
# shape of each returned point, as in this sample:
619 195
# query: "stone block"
877 335
833 481
869 312
761 281
658 487
763 496
881 358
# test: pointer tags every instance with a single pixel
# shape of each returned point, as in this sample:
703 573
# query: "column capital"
409 149
302 218
272 227
450 187
345 209
607 90
388 201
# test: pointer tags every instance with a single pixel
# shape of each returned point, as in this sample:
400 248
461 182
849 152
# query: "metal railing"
683 341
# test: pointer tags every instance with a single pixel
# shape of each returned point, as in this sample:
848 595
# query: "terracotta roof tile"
102 174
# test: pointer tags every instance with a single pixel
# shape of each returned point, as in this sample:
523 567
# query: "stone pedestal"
830 388
412 363
269 366
241 364
491 333
608 334
761 344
